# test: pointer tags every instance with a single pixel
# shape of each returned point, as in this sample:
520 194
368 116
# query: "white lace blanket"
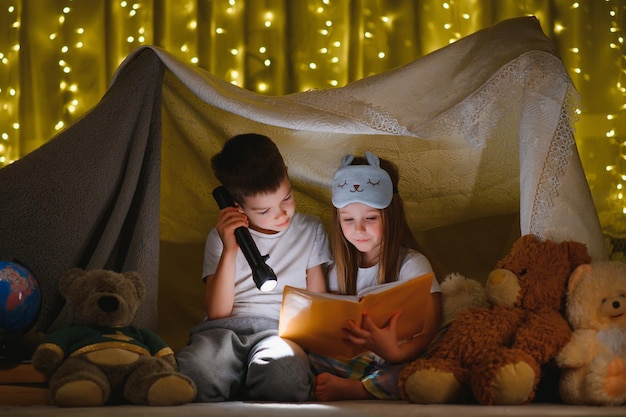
479 128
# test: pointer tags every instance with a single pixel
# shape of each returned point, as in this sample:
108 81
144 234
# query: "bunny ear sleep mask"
367 184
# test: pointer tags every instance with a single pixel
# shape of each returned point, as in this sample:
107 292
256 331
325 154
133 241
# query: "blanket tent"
481 130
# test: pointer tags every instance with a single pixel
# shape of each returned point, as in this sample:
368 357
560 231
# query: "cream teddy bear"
593 363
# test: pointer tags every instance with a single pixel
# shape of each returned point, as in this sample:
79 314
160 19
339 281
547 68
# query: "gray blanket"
90 197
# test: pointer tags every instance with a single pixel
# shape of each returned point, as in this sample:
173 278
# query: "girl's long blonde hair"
396 235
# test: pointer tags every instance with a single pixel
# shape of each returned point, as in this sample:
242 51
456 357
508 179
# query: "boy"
236 353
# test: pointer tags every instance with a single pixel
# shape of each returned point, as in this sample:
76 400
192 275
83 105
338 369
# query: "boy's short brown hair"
249 164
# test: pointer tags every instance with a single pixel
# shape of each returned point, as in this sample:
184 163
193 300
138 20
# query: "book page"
410 297
315 320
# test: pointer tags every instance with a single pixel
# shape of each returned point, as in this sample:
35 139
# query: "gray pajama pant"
242 358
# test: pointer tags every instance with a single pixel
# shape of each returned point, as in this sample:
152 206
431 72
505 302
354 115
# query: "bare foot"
329 387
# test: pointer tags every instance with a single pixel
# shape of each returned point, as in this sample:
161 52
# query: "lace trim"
351 108
562 147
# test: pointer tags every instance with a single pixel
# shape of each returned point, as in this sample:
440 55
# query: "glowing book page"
315 320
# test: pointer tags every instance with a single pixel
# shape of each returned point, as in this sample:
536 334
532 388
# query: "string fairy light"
9 84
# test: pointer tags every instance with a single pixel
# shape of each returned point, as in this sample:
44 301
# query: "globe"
20 298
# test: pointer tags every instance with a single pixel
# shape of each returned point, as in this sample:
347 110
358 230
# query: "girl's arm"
219 290
384 342
315 279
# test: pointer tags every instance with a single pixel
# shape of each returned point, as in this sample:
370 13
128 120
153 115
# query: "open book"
315 320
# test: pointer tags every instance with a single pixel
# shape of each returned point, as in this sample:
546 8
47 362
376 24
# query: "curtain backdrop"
57 58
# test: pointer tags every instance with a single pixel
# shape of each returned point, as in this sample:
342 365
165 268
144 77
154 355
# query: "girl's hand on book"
382 341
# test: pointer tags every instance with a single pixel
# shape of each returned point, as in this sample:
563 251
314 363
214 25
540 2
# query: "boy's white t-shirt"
302 245
412 264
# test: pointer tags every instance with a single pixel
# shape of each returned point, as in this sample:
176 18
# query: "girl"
372 244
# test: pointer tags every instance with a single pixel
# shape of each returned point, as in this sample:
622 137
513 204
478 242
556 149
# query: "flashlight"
263 276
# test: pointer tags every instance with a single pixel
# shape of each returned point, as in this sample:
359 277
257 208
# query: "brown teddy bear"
101 358
594 361
495 354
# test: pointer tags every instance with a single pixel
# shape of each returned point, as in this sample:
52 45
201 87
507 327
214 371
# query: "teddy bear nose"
108 303
616 304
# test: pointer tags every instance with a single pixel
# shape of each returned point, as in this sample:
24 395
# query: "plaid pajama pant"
378 377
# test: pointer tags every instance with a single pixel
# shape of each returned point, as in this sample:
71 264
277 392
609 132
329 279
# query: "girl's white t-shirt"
412 264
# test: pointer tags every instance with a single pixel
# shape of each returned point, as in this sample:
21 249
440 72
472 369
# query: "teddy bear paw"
171 390
615 381
79 394
432 386
511 384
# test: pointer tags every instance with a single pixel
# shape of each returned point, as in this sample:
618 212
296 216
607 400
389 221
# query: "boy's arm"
315 279
219 290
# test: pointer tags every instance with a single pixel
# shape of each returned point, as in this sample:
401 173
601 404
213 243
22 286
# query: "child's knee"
281 379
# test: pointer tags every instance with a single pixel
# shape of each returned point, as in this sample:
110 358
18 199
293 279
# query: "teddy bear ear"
577 275
137 281
68 278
